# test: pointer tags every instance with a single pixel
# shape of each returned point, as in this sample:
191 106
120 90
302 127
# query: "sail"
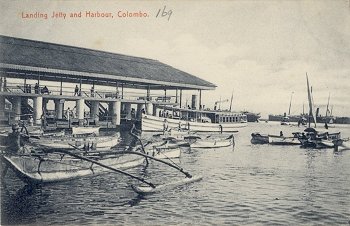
310 101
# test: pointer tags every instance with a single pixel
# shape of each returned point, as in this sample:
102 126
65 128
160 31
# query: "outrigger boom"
139 189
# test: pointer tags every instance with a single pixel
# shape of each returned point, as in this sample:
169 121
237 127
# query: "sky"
258 50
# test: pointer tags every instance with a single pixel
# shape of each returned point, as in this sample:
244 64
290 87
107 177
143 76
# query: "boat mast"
303 109
290 103
231 101
329 95
310 101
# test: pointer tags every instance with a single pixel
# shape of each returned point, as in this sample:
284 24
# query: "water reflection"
22 205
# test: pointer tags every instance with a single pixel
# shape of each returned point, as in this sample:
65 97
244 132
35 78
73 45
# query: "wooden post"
200 99
25 83
176 95
61 87
117 91
80 86
148 98
122 90
180 98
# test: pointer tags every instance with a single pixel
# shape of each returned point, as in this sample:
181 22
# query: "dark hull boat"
258 138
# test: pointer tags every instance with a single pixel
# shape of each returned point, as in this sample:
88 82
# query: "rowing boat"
209 142
100 143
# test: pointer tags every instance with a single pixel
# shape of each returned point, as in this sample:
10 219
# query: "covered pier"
84 86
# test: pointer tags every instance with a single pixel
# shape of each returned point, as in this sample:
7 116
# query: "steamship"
171 116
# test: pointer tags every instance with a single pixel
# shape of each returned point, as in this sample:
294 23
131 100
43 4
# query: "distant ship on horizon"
251 116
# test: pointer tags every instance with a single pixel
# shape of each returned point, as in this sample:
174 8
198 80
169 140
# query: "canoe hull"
53 168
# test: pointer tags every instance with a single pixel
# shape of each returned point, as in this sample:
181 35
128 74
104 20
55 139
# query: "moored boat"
212 142
223 123
252 117
164 152
86 143
85 130
341 144
258 138
282 140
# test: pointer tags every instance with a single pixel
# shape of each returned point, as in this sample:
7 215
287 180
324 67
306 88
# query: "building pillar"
110 111
80 111
154 110
116 113
45 101
3 118
180 98
176 98
200 99
16 105
59 108
149 108
128 110
139 110
38 109
94 111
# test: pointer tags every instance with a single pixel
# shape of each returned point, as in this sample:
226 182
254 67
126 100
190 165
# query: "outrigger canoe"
55 167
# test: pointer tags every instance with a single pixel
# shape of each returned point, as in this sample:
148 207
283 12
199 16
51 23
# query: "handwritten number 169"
164 13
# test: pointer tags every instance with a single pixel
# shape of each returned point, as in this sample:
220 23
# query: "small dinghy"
144 190
210 142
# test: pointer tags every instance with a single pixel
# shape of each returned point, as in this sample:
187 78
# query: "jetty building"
35 73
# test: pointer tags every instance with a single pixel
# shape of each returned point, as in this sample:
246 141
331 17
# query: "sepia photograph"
201 112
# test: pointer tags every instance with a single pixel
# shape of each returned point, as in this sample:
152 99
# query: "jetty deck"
110 86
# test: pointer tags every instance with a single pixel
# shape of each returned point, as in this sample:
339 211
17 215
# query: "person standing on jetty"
76 90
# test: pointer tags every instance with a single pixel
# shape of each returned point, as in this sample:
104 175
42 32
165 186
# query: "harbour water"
247 184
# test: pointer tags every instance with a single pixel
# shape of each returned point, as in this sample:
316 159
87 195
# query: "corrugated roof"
22 54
